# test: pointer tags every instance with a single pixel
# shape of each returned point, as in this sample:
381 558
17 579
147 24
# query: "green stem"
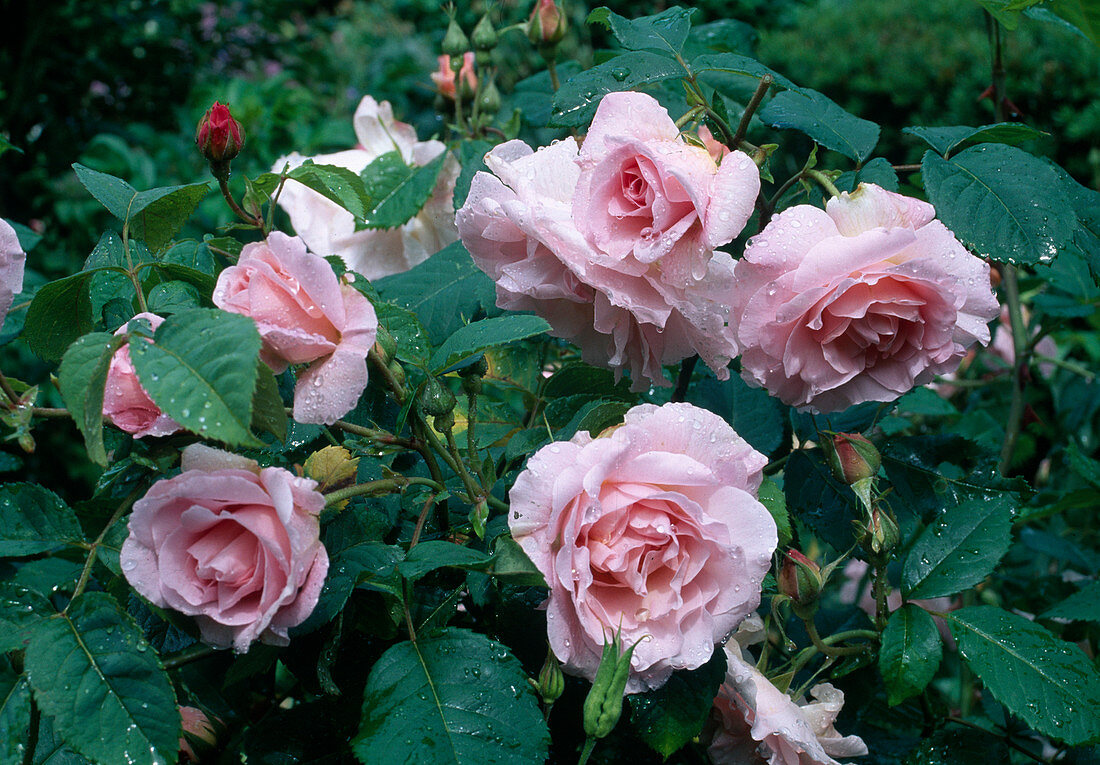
130 269
683 380
1069 366
251 219
880 586
552 70
381 486
188 655
824 647
1019 344
471 443
589 745
691 114
93 548
750 109
421 520
822 180
382 369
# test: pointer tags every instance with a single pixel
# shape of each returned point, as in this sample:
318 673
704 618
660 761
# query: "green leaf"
1081 606
471 155
772 497
354 561
910 654
577 99
21 611
429 556
445 291
338 184
82 377
200 370
821 119
268 410
878 171
817 499
173 297
958 550
741 66
395 205
1001 202
671 716
457 697
93 672
15 714
757 417
959 746
412 341
946 140
511 563
154 215
60 313
1083 14
34 520
665 31
474 338
1047 682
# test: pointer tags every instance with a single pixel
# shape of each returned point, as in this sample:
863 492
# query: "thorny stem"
93 548
1069 366
381 486
383 369
5 386
252 219
471 443
879 586
750 109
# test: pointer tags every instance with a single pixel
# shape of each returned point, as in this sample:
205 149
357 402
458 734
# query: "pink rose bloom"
329 229
125 402
859 302
12 261
236 546
518 224
647 198
652 528
305 316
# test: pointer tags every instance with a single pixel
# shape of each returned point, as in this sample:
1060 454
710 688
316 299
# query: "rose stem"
130 270
750 108
420 521
224 186
187 655
822 180
589 745
86 572
383 486
683 380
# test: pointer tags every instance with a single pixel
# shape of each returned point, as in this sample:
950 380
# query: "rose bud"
436 399
546 26
455 42
852 457
484 37
219 136
198 734
551 683
604 703
800 580
882 532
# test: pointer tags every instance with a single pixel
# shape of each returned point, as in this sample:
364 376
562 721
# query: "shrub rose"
518 225
236 546
305 316
757 721
858 302
329 229
652 528
645 192
125 402
12 262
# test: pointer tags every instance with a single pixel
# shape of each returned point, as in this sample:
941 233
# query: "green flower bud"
444 422
436 399
551 684
455 42
397 371
385 344
484 37
604 704
882 532
489 99
800 580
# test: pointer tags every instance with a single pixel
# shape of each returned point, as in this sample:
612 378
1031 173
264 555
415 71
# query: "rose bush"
234 545
653 529
12 262
125 402
858 302
329 229
305 316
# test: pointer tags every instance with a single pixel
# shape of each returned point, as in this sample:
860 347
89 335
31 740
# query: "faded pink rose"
645 197
653 529
329 229
305 316
12 262
518 225
234 545
859 302
757 722
125 402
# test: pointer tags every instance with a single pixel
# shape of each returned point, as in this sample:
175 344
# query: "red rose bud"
852 457
800 580
546 27
219 136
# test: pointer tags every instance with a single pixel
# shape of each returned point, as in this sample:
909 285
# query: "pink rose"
236 546
652 528
198 731
518 224
444 79
646 197
329 229
858 302
305 316
12 261
125 402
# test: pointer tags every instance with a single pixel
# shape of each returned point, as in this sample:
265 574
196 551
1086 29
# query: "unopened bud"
546 26
551 682
604 703
852 457
397 371
466 79
198 734
444 422
800 580
488 101
219 136
484 37
385 344
479 514
455 42
436 399
882 532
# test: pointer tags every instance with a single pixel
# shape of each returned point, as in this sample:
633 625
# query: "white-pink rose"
859 302
518 224
305 315
652 528
329 229
125 402
12 262
236 546
645 196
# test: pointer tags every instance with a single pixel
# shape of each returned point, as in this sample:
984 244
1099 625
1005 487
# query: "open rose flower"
645 196
232 544
518 224
329 229
125 402
859 302
12 262
757 722
652 528
305 316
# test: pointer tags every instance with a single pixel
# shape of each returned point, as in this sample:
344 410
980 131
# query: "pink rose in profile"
652 528
232 544
518 224
305 316
12 262
125 402
329 229
859 302
647 197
